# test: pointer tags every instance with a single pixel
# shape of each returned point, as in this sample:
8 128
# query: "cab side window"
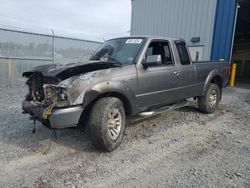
183 53
163 49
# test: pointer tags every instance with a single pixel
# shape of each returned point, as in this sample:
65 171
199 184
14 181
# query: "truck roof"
154 37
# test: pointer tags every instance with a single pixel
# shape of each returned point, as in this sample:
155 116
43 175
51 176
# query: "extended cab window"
183 53
163 49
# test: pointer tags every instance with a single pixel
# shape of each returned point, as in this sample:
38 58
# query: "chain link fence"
22 50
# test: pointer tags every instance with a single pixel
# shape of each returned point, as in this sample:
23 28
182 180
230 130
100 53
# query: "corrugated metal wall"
224 29
176 18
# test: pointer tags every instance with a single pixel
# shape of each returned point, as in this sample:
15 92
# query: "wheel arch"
92 96
111 89
218 81
213 77
124 99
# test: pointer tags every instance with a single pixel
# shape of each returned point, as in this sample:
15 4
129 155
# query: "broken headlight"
61 94
56 94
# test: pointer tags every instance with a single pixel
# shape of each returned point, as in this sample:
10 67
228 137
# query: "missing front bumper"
59 118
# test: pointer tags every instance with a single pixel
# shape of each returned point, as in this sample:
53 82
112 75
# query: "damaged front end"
56 91
48 103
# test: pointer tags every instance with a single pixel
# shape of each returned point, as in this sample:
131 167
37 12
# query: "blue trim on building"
223 29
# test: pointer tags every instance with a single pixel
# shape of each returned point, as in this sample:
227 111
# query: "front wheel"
107 123
209 102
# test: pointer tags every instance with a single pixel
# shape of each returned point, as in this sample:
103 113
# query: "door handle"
176 72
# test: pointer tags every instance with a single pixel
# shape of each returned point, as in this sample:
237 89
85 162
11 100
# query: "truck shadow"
18 133
190 109
136 120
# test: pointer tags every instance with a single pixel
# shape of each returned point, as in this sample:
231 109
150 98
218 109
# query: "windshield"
122 50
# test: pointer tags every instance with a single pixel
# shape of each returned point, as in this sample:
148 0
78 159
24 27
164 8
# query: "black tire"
100 131
205 103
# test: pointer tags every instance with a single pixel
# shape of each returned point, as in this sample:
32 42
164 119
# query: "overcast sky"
88 19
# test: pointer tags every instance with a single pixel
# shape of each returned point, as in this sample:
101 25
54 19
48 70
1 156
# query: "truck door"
157 84
186 72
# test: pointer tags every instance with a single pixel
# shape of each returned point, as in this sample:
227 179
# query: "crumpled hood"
64 71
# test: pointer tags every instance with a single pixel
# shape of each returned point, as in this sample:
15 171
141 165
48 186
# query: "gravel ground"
182 148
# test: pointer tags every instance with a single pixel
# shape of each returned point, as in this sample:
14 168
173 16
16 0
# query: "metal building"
206 25
213 29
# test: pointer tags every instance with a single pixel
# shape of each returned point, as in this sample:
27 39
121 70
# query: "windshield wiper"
115 61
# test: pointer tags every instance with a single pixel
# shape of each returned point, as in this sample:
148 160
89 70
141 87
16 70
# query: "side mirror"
152 60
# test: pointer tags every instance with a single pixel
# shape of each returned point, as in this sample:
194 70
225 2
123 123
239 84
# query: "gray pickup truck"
130 76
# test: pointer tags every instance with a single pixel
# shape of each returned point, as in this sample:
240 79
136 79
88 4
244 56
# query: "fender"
210 77
118 87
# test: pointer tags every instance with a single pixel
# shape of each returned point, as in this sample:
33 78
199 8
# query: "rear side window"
182 50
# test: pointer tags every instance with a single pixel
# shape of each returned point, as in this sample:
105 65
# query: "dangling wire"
54 130
48 110
34 126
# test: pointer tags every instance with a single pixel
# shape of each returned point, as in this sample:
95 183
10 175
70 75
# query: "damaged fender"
112 88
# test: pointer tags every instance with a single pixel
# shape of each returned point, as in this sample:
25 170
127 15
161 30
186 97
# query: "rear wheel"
209 102
107 123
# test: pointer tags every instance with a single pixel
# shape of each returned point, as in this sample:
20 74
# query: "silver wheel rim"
114 124
212 99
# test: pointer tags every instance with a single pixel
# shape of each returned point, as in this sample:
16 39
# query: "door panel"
187 73
157 86
167 82
186 82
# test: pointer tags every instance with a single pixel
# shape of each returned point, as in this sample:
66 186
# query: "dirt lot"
179 148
